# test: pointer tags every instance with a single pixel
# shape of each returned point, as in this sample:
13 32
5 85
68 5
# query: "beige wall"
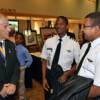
70 8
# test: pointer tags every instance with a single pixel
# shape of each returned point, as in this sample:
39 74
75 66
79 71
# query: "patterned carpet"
36 93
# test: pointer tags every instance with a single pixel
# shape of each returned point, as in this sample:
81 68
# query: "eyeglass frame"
91 26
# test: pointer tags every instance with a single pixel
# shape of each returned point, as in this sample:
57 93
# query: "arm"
15 75
44 67
11 86
44 57
28 60
76 52
67 74
94 91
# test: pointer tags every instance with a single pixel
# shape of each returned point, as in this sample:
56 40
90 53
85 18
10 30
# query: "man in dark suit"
9 65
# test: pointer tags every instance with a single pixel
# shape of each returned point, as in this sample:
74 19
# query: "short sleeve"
76 51
44 54
97 71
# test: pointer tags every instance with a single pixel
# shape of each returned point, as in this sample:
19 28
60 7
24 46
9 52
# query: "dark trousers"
10 97
52 77
28 77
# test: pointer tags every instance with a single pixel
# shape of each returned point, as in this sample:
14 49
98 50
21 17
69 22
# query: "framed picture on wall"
30 37
47 32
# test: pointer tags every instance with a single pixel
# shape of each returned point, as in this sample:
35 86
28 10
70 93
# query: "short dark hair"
22 35
63 18
95 16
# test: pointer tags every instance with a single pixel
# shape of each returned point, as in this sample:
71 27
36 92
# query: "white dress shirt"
70 50
91 65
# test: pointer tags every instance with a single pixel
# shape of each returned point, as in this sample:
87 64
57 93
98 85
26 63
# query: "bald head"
3 19
4 27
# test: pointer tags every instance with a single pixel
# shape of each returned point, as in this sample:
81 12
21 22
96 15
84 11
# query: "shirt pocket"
49 51
68 54
90 65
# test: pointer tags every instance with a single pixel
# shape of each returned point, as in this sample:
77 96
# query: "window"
14 24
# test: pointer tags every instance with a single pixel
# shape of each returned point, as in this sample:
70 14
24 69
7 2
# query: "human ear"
97 29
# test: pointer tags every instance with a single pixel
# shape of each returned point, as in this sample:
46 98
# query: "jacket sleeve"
15 74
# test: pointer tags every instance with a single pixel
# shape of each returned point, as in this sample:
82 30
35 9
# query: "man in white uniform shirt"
69 51
91 65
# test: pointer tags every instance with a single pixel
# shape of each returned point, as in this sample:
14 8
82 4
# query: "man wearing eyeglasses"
9 65
91 65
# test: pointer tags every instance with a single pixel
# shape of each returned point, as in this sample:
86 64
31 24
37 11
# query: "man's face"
4 29
90 31
61 27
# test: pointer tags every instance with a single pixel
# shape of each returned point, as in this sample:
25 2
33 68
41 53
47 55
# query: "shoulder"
84 45
21 47
72 41
51 40
71 35
9 43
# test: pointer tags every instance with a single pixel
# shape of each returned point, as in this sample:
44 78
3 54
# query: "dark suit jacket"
9 69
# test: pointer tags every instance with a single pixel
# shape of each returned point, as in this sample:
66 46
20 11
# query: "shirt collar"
63 38
2 41
95 42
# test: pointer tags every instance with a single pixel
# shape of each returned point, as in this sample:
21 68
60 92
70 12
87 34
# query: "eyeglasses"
88 27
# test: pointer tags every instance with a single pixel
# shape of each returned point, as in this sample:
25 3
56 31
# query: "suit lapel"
7 50
2 55
1 58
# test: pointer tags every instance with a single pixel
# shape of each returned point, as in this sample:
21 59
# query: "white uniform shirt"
70 50
91 65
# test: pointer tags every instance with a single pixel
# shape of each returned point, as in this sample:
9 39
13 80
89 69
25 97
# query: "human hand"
65 76
3 92
11 88
62 78
45 84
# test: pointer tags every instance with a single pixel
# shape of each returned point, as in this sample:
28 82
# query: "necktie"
82 59
2 49
57 53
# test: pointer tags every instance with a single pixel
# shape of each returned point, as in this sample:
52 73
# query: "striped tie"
2 49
